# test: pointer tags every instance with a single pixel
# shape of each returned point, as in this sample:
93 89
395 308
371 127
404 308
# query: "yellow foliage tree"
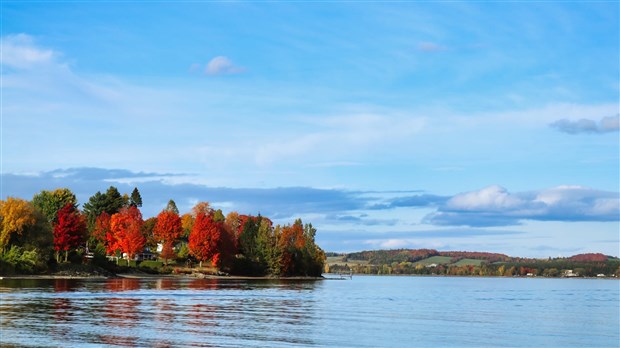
15 215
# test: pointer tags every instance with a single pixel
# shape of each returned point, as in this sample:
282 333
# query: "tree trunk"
200 264
57 256
66 255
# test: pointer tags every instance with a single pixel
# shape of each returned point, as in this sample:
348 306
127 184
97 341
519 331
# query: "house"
569 273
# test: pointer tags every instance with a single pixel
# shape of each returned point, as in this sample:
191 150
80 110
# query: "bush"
124 263
18 260
151 264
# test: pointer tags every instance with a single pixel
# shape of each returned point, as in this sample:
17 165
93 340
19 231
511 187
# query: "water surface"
366 311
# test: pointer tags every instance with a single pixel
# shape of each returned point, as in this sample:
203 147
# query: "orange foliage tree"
204 240
291 242
126 233
167 230
101 229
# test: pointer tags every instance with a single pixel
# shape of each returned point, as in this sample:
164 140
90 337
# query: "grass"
440 260
467 262
338 260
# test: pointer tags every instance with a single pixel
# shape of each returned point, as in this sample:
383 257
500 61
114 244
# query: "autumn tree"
69 230
147 230
126 231
187 221
233 224
167 230
15 215
50 202
205 238
202 207
290 244
101 229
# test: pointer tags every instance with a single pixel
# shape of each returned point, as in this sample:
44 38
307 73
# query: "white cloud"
490 198
221 65
495 206
20 52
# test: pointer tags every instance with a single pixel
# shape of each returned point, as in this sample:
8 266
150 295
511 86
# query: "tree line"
410 261
50 229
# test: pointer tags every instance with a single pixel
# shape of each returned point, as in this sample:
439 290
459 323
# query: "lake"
366 311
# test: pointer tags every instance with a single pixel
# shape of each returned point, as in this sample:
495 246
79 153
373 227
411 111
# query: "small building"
569 273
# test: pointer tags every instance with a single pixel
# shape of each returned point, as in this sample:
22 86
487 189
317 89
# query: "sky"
478 126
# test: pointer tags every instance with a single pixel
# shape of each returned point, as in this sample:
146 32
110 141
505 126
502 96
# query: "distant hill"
412 255
431 261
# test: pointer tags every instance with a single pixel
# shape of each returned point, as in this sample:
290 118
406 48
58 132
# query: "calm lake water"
363 312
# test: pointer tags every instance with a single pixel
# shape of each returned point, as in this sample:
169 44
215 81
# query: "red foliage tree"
69 230
126 231
167 251
204 240
167 230
102 228
590 257
491 257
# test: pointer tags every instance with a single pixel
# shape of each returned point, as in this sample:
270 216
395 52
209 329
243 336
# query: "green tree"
135 199
96 205
247 238
110 202
114 201
172 207
50 202
218 216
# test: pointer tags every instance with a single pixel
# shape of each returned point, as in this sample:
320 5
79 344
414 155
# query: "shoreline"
328 276
152 276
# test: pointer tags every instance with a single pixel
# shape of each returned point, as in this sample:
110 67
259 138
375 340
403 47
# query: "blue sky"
486 126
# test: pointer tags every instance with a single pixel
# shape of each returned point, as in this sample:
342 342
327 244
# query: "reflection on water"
367 311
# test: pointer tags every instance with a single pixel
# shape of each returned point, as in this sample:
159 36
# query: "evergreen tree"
96 205
114 201
136 198
110 202
172 207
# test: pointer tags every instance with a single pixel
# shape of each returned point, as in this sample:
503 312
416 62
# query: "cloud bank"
491 206
605 125
495 206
